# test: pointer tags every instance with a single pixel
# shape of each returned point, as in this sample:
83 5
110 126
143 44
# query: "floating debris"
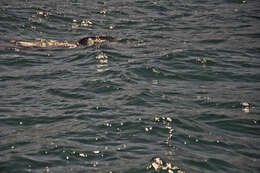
147 129
83 155
166 121
96 152
155 71
201 60
95 164
16 49
244 104
158 165
101 56
163 119
156 119
107 124
103 12
74 26
86 23
47 169
41 13
169 119
111 27
155 82
245 107
246 110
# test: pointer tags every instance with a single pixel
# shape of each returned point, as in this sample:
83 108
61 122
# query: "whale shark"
85 41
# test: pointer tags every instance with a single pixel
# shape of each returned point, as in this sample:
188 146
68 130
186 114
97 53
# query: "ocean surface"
177 90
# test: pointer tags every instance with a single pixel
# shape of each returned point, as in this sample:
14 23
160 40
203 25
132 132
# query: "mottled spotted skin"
86 41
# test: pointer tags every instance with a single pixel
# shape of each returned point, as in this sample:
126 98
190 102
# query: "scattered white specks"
155 82
148 129
245 107
96 152
83 155
169 119
244 104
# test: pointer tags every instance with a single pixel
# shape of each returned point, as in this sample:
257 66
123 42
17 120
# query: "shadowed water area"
176 90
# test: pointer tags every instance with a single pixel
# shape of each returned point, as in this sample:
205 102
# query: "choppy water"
181 83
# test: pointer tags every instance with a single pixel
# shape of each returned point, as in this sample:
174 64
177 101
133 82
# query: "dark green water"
180 82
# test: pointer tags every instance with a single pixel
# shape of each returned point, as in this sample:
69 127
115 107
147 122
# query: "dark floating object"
92 40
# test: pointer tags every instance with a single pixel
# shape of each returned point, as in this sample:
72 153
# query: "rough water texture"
178 91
